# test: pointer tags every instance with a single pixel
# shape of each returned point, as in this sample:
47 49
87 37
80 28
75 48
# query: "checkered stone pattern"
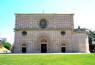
56 23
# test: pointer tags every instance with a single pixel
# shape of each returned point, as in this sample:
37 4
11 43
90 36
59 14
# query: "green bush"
7 45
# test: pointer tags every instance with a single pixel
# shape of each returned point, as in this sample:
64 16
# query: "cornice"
42 29
43 14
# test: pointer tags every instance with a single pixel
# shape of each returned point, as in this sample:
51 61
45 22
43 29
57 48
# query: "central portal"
43 48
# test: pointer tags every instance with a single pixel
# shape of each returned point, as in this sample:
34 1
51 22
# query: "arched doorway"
43 46
24 50
63 48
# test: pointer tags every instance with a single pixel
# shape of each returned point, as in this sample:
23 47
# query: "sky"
83 10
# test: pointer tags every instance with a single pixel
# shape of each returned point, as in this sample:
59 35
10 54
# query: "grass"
49 59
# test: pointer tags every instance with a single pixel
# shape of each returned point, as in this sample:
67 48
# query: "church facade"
48 33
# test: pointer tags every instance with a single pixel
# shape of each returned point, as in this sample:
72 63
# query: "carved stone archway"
44 42
43 46
63 47
24 48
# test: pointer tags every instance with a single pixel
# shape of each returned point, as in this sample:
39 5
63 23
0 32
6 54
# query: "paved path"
40 53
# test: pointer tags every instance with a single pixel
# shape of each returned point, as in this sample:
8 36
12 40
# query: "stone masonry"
57 35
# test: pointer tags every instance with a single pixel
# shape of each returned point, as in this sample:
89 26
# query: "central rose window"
43 23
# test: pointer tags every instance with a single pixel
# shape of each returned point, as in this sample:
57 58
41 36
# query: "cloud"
9 37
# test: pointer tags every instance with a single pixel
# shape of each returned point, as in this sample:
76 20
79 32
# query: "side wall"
80 42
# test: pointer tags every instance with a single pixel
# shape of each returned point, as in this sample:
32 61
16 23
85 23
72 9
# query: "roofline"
44 14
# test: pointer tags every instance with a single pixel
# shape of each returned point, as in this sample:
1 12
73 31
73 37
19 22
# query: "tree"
91 35
7 45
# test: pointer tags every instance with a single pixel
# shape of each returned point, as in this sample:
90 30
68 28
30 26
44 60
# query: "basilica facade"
49 33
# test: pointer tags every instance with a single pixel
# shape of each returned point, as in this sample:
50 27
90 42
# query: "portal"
23 49
63 49
43 48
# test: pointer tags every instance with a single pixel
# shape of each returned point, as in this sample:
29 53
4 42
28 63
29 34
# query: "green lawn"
51 59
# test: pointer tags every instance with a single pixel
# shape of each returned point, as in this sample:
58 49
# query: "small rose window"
24 33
